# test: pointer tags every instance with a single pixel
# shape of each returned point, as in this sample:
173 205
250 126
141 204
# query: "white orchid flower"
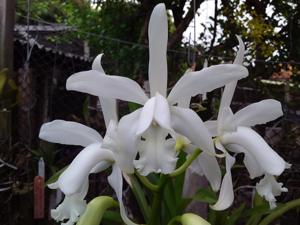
115 149
160 110
234 134
269 188
205 165
72 206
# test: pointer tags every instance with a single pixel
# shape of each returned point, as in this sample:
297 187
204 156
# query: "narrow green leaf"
206 195
260 208
133 106
279 211
236 215
55 176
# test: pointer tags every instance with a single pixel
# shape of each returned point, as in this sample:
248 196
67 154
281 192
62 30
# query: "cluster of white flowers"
138 140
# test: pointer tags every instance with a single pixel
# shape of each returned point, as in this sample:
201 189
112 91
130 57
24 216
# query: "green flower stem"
186 164
174 220
280 211
155 208
146 182
140 197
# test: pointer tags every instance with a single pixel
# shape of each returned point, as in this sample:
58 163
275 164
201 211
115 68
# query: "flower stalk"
186 164
157 200
146 182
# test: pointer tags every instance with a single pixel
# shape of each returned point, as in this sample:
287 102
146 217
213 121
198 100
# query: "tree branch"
215 27
177 35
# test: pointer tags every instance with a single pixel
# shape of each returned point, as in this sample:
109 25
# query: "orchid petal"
250 162
101 166
156 110
108 105
156 153
227 95
72 206
258 113
184 102
241 52
220 147
255 145
189 183
269 188
208 166
206 80
158 40
187 123
53 185
204 95
69 133
71 180
226 121
162 112
146 116
109 109
97 63
128 141
212 126
226 195
116 182
99 84
121 140
230 88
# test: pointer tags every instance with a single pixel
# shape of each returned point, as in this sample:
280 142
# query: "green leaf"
133 106
279 211
206 195
260 208
55 176
235 215
95 210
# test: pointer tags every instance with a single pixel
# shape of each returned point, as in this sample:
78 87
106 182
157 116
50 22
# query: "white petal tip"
159 7
53 185
288 165
97 63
